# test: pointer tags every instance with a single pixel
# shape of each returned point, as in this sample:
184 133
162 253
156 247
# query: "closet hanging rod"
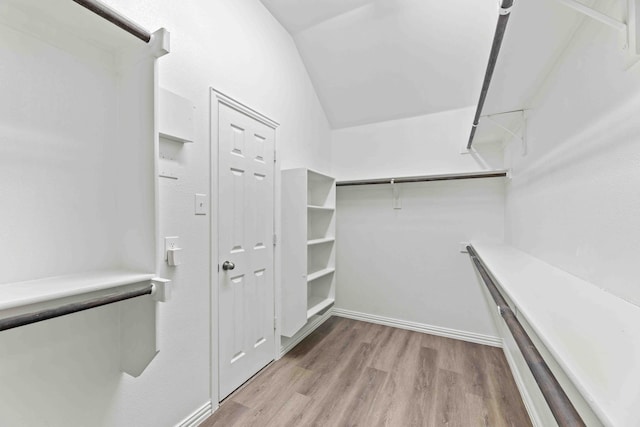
425 178
63 310
505 11
561 407
114 17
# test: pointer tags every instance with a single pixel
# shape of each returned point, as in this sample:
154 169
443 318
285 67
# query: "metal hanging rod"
561 407
114 17
50 313
425 178
505 12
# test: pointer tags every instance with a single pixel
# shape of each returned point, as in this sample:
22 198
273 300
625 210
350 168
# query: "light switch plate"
201 204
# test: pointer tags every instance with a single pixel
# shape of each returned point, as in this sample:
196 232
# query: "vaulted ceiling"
378 60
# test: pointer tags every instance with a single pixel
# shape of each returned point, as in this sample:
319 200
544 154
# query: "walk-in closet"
226 213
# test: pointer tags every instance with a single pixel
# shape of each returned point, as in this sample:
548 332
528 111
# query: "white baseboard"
421 327
196 418
305 331
522 388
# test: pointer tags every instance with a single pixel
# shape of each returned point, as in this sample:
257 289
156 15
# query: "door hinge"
218 268
275 239
275 322
274 155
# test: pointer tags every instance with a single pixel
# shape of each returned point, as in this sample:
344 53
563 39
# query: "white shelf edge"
318 306
320 241
22 294
175 138
320 208
318 274
427 177
321 175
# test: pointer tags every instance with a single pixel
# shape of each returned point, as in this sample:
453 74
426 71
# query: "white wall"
574 199
412 146
405 264
237 47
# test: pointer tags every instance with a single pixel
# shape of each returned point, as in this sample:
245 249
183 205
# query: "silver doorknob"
228 265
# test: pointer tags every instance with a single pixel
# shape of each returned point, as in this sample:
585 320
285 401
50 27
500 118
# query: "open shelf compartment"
321 190
79 138
308 248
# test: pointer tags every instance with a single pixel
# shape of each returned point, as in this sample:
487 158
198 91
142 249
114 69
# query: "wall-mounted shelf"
320 241
318 274
21 295
176 117
318 304
308 285
426 178
321 208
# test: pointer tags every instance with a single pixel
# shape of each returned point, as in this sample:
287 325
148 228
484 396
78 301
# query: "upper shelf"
70 16
426 178
321 208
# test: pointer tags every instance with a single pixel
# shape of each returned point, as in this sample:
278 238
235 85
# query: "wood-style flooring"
350 373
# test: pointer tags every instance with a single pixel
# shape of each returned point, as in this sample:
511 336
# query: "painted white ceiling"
537 34
377 60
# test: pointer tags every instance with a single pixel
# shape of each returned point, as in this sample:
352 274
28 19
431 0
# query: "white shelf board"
20 294
318 274
320 241
176 121
426 178
317 304
596 342
321 175
320 208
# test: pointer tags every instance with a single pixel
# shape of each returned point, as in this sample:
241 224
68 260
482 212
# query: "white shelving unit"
308 242
78 155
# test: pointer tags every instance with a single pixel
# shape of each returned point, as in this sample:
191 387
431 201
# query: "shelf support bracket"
522 138
395 190
594 14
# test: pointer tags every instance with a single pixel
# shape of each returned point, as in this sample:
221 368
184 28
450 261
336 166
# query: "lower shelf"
317 304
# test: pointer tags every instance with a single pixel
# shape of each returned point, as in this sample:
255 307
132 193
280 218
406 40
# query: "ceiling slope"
372 61
377 60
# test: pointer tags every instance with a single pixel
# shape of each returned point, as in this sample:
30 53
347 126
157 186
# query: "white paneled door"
245 233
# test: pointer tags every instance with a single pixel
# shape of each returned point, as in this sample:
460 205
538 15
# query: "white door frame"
216 99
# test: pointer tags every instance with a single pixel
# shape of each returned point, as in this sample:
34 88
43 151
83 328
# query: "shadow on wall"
66 371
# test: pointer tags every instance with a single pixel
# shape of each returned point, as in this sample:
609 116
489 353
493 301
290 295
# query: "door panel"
245 233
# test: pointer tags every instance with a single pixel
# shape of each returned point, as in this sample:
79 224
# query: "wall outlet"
463 247
170 243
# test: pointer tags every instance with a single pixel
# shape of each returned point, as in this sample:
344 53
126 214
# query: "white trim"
198 416
522 388
236 105
306 331
421 327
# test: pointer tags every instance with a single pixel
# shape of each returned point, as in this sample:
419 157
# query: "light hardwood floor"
350 373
